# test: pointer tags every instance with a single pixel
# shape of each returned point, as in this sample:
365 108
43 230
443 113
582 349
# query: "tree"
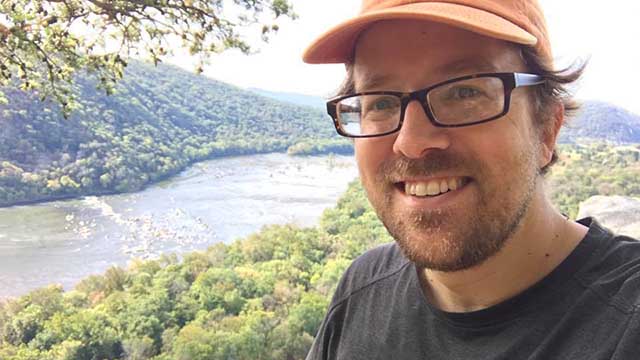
43 43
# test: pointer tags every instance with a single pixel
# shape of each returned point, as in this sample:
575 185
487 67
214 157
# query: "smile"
433 187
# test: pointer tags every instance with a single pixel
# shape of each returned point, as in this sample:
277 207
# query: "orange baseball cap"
517 21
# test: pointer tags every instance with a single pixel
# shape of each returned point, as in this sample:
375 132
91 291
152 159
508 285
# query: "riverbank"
215 201
303 148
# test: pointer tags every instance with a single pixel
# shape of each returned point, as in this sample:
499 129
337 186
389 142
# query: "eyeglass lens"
455 103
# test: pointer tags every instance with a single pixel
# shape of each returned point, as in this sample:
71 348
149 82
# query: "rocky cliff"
618 213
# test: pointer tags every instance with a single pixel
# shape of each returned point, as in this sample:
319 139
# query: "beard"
456 238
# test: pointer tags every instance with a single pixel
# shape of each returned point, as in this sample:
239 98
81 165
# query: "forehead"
408 53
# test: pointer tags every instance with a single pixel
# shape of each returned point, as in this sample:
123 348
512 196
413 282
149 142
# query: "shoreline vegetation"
160 121
301 149
597 168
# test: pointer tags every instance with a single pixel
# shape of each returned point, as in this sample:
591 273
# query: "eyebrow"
460 67
372 80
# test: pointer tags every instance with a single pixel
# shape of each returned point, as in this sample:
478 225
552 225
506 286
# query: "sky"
605 32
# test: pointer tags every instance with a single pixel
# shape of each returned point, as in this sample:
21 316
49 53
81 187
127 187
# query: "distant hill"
293 98
160 120
599 121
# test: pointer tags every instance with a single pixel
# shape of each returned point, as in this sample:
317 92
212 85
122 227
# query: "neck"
542 241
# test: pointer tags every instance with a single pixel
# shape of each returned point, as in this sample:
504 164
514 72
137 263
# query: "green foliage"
594 169
159 121
262 297
44 44
342 146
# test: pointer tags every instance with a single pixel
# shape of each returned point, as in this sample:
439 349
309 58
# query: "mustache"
435 162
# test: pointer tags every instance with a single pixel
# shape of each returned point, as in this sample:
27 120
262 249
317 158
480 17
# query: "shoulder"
369 269
363 287
613 269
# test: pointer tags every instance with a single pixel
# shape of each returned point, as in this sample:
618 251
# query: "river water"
215 201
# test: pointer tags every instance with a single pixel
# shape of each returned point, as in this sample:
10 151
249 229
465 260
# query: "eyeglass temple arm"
527 79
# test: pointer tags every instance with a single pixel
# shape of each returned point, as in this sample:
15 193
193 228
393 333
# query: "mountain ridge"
160 120
292 97
598 121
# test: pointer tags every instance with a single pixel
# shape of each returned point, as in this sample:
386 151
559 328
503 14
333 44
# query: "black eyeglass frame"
510 81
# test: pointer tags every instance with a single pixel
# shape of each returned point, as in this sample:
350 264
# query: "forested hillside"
262 297
160 120
594 169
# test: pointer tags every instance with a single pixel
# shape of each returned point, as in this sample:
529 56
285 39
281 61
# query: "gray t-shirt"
587 308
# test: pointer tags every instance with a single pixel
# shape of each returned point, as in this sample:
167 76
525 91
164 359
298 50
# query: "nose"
418 135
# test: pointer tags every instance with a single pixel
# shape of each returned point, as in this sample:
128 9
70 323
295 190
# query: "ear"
550 134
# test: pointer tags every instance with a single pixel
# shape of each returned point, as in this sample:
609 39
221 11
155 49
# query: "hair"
555 90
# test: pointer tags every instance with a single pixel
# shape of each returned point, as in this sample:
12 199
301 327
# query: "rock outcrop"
619 213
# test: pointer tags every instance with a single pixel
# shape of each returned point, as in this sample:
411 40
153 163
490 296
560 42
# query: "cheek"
489 142
370 154
499 146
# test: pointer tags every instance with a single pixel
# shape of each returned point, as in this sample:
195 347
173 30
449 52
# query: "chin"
449 240
439 249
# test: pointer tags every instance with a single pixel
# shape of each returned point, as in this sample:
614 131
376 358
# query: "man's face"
488 173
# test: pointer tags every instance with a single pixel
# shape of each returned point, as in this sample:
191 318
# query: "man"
455 107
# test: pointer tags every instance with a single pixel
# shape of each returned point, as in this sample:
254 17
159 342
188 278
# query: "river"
214 201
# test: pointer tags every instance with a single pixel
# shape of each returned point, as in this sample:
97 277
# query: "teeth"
433 187
444 186
453 184
420 189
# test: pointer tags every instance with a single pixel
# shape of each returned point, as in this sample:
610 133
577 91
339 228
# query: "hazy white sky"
607 32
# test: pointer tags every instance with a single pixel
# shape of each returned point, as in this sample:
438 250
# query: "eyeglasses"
463 101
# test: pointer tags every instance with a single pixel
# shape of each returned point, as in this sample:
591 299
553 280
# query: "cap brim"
336 45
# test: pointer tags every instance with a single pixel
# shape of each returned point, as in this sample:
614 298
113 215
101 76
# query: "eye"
384 103
464 92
